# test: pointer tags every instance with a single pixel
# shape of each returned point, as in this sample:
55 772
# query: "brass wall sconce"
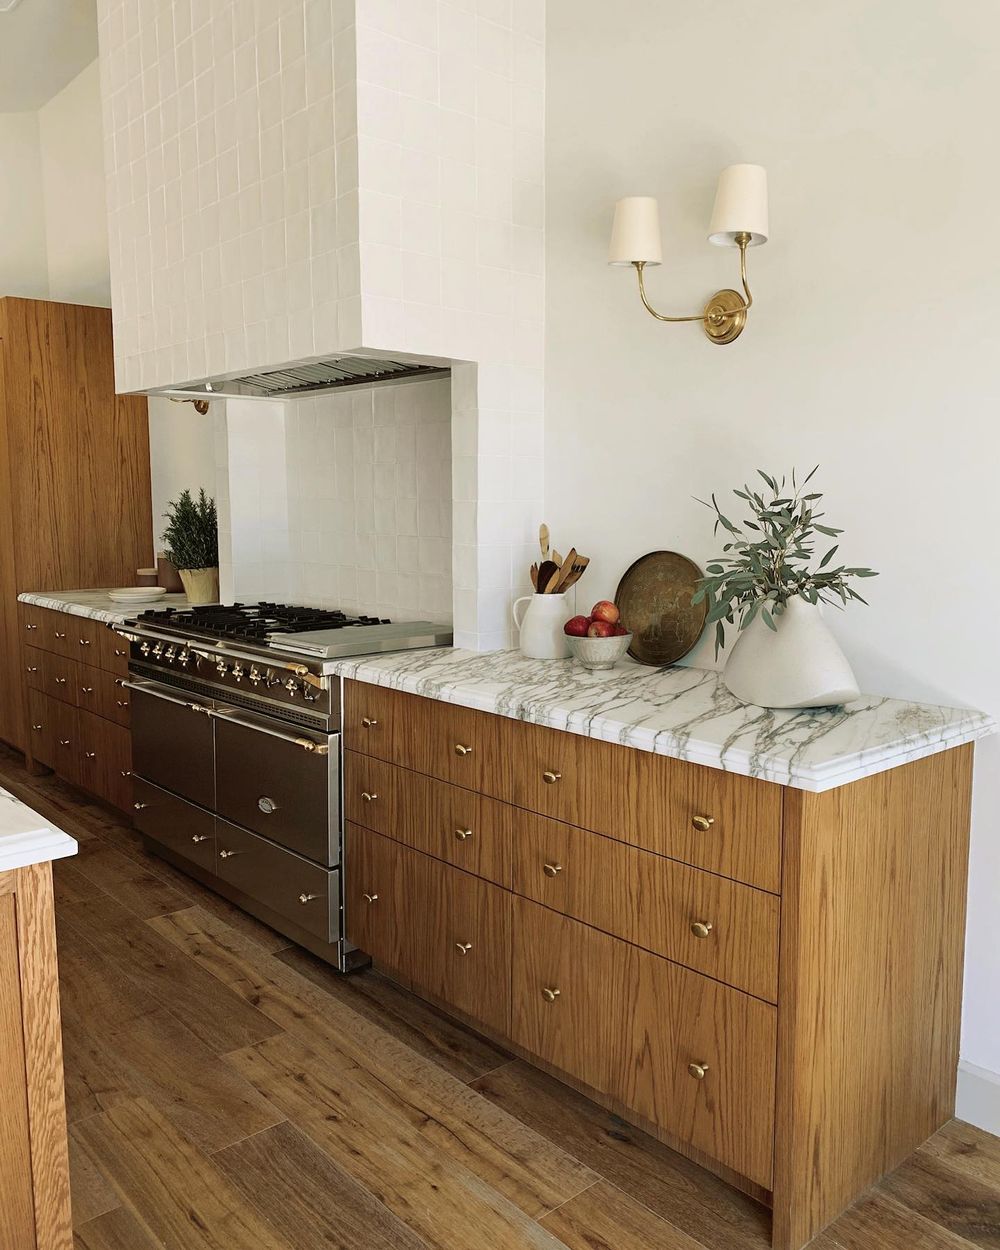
739 219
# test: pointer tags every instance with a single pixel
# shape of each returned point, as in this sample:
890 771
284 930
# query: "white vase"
541 626
799 665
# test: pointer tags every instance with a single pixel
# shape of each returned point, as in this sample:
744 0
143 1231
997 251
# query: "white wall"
76 220
871 349
23 260
181 454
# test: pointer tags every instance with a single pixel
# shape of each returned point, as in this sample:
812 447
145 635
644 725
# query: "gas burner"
253 622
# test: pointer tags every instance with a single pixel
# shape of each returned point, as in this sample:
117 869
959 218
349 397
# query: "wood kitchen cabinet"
74 481
767 979
78 712
34 1165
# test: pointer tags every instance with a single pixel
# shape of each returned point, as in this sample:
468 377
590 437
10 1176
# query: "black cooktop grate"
251 622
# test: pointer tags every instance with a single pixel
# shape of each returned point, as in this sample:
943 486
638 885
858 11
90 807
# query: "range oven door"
173 740
279 781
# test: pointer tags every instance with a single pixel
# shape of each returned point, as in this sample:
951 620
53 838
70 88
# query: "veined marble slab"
27 838
95 604
686 713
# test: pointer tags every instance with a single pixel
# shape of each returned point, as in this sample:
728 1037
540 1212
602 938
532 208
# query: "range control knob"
237 671
255 675
292 686
144 648
270 679
158 650
171 654
183 657
222 668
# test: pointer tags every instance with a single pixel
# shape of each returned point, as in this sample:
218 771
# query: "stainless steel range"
236 752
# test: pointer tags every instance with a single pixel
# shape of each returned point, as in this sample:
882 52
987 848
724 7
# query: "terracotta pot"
797 665
167 576
201 585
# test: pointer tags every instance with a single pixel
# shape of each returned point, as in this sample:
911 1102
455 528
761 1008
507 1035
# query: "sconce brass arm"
725 314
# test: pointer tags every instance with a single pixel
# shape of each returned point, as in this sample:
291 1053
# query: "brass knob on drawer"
369 722
58 635
228 854
307 898
84 642
463 948
463 834
32 668
37 728
31 627
64 742
126 772
370 898
550 778
550 995
87 689
368 796
91 755
702 823
460 749
698 1070
139 806
552 870
701 928
199 837
60 681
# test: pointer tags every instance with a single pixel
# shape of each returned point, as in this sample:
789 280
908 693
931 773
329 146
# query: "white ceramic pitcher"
541 626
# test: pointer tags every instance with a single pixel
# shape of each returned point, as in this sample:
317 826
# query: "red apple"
576 626
605 610
620 631
600 629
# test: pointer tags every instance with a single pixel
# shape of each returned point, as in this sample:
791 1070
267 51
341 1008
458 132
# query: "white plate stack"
136 594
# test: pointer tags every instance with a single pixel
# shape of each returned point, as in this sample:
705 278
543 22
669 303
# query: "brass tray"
654 598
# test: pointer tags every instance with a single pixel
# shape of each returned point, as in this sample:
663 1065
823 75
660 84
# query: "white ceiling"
44 44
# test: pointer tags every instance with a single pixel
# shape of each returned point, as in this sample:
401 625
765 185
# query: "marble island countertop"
95 604
687 713
27 838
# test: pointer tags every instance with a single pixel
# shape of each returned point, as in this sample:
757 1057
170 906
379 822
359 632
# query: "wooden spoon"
566 567
546 574
577 572
543 540
534 575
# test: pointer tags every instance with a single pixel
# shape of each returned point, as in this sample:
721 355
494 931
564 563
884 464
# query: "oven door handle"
307 744
145 687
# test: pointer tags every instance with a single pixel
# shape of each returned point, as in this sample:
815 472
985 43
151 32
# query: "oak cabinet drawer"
115 701
294 887
456 744
66 747
62 678
34 667
90 690
84 639
113 652
446 821
41 727
442 929
104 758
692 1056
717 926
32 623
719 821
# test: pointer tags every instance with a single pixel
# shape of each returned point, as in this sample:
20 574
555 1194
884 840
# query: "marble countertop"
686 713
27 838
95 604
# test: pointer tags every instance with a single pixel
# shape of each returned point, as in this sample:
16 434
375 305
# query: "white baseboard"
978 1097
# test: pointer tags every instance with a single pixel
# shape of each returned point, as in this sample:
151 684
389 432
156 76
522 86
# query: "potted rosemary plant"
192 545
769 584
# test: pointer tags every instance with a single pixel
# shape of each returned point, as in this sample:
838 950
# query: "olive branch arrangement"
762 570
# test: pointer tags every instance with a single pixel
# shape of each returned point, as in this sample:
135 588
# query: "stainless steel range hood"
318 375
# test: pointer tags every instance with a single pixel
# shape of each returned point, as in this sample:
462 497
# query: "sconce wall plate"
725 316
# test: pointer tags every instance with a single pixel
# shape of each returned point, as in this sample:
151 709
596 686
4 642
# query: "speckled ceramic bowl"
598 653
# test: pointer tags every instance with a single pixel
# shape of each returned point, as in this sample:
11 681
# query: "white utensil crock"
541 626
799 665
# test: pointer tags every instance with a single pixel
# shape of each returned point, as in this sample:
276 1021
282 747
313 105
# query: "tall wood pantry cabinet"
75 507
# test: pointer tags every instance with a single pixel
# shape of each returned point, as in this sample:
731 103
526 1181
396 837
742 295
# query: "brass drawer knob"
140 806
307 898
32 668
698 1070
37 728
702 823
60 681
121 702
701 928
229 854
463 834
463 948
552 870
199 837
461 749
87 689
126 772
550 778
369 722
368 796
31 627
64 742
58 635
84 642
91 755
550 995
370 898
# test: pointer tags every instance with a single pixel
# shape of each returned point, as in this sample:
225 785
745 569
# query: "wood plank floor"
227 1091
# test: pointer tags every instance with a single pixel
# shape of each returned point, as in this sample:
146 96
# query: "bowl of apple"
598 641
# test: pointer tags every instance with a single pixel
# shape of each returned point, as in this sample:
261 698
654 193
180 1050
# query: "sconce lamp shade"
635 234
740 206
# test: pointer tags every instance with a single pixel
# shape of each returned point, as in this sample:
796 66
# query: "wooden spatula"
547 571
543 540
534 575
577 572
565 568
